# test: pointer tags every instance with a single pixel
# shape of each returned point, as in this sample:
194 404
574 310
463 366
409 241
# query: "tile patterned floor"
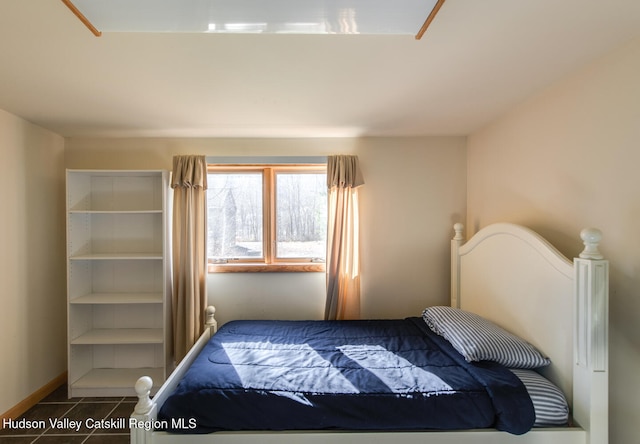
86 411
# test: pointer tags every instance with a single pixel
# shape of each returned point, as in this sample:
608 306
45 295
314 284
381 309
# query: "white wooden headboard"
512 276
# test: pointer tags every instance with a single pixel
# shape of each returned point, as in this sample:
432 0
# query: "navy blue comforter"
347 375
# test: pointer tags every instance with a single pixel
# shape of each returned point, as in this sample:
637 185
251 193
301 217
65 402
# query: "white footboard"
143 420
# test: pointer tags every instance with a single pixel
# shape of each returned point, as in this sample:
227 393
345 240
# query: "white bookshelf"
117 279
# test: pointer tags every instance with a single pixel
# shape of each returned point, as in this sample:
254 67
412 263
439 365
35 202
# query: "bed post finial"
591 238
210 320
458 228
143 390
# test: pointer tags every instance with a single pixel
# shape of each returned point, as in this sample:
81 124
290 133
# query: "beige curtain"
189 183
343 261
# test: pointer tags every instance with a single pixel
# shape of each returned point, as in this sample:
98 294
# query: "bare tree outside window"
267 215
301 215
235 226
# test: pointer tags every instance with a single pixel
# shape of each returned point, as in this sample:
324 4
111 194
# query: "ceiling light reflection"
245 27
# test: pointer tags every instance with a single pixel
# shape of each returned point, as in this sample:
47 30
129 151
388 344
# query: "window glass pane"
301 215
235 215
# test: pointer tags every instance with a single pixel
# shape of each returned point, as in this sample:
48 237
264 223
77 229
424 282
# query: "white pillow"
478 339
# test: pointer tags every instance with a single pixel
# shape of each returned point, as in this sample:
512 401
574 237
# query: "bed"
506 275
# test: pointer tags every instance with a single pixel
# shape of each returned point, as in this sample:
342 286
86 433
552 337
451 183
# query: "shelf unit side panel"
78 190
79 232
81 359
167 290
80 281
80 320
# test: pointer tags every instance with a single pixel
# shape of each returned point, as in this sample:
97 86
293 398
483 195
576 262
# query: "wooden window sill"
267 268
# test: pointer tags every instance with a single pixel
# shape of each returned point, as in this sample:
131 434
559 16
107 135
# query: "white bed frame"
512 276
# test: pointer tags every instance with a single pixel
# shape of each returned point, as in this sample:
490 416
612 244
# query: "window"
267 218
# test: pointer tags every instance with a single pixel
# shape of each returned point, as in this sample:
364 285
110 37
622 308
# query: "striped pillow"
548 400
478 339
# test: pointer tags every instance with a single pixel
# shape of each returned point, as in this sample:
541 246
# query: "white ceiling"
477 60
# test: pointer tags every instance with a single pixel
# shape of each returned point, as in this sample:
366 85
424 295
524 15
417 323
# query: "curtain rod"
283 160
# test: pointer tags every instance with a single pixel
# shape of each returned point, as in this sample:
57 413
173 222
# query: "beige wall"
415 190
32 271
566 159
